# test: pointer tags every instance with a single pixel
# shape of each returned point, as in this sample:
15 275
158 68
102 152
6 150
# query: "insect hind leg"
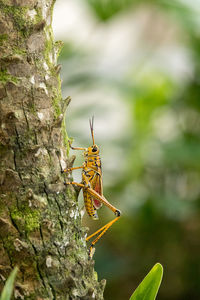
100 233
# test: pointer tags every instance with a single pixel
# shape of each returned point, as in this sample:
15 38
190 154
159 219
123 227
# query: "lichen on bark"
40 224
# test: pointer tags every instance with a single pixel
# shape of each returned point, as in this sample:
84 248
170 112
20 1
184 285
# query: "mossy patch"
56 101
26 218
49 46
65 136
19 16
3 37
58 45
38 16
8 244
19 51
5 77
71 194
57 109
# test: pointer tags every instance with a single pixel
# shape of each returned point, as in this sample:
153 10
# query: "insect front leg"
75 183
76 148
71 169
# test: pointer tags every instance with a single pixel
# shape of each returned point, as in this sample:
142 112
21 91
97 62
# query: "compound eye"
94 149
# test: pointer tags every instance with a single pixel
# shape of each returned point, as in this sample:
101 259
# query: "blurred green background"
135 66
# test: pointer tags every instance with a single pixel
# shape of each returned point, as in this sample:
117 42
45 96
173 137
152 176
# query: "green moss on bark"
19 51
26 218
65 136
5 77
3 37
8 244
19 16
56 102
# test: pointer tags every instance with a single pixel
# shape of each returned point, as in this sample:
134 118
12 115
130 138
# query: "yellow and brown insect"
93 188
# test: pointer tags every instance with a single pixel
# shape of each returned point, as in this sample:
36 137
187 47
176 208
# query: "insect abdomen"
89 206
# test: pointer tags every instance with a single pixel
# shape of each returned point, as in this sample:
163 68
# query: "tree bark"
40 224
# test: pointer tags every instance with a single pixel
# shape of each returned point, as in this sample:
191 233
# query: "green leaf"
8 288
148 288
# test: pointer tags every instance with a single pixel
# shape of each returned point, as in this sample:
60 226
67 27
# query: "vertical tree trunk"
40 224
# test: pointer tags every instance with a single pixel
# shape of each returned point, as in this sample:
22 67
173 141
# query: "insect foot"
118 213
67 183
66 170
91 251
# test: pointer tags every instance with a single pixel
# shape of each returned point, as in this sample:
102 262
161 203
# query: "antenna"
92 128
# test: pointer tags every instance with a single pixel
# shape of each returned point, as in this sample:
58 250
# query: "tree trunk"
40 224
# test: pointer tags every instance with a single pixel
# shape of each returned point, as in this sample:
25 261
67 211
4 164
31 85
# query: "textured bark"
40 224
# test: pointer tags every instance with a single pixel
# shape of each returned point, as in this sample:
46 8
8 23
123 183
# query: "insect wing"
98 188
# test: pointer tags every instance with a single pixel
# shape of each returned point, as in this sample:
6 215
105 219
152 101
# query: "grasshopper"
92 187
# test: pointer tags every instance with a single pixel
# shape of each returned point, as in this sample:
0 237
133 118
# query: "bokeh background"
135 66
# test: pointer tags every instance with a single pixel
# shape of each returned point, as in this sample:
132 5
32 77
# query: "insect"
92 188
